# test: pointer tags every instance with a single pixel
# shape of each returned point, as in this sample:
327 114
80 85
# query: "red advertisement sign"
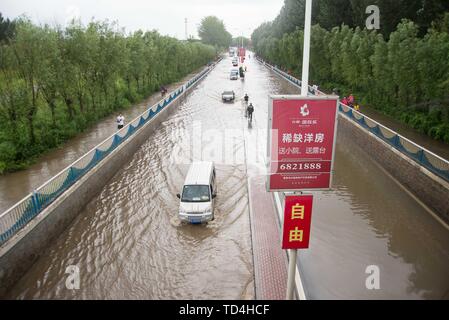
297 221
302 139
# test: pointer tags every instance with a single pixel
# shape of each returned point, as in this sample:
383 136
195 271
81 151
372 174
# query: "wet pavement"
128 242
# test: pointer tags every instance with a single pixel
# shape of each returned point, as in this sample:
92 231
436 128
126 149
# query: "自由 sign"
297 220
302 132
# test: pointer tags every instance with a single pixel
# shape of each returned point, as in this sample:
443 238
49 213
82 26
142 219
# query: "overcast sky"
167 16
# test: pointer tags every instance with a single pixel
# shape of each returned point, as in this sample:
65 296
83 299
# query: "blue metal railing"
18 216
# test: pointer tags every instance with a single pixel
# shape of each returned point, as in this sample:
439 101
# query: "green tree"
7 29
399 70
237 42
213 31
55 82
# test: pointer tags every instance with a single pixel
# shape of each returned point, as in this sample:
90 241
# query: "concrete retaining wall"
21 251
430 189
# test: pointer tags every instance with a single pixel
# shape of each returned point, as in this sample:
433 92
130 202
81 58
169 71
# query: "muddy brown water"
128 243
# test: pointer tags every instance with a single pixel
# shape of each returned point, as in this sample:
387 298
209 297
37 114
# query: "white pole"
306 52
292 257
291 273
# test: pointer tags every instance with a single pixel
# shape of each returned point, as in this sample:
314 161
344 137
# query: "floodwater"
368 220
128 243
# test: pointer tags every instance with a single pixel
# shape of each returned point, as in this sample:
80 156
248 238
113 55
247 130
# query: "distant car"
234 75
235 63
228 96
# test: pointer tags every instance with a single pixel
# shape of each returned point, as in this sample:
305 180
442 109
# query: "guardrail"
19 215
421 155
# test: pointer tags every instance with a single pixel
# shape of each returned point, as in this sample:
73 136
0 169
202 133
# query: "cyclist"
250 111
246 98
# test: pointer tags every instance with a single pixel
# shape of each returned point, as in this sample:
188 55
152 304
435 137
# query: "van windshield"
195 193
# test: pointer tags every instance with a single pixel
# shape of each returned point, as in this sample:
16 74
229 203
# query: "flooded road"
128 243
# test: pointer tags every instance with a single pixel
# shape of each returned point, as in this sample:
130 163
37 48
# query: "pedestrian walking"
120 121
250 111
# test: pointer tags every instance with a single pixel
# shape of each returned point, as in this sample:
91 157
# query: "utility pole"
304 90
306 51
187 37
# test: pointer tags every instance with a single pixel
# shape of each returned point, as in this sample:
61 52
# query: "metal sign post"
306 51
296 232
304 91
293 253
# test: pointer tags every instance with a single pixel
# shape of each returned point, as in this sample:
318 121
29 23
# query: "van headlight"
207 213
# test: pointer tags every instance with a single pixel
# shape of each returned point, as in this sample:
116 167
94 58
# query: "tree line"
55 82
404 75
213 31
332 13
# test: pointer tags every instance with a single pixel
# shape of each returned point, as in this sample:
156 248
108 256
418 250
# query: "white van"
198 193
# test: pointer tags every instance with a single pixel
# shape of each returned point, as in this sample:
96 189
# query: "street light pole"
304 90
306 52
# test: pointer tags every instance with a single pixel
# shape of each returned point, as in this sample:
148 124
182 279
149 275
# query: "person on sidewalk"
163 90
120 121
351 100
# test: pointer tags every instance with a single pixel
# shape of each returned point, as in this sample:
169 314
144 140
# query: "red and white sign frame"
273 175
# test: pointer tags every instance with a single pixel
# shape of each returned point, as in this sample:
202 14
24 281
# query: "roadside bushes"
406 77
54 82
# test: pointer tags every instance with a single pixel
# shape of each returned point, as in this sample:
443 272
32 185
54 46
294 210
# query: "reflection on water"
370 220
